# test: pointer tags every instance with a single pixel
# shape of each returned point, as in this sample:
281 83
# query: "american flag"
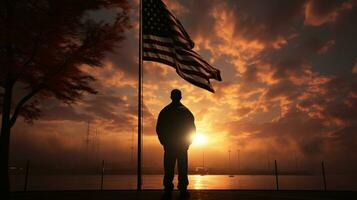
166 41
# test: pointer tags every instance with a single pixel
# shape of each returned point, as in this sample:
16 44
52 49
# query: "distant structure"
87 141
238 160
132 148
92 144
203 158
96 144
202 170
229 163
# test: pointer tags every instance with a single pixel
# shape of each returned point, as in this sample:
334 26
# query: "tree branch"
60 68
34 51
20 104
27 97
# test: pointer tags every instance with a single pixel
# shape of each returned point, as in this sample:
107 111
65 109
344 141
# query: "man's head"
176 95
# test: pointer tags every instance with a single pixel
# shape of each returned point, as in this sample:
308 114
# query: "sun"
199 139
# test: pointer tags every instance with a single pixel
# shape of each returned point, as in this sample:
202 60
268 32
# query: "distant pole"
140 82
95 145
203 158
102 179
132 148
238 159
98 142
268 162
323 175
87 142
296 161
229 161
276 176
27 174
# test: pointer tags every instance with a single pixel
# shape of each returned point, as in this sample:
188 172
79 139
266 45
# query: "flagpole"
140 82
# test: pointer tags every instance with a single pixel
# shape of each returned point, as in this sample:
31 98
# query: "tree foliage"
45 43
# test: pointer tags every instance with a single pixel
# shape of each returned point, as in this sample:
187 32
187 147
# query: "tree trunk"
6 108
5 140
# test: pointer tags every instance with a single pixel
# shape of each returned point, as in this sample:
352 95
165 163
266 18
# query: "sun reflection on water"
197 182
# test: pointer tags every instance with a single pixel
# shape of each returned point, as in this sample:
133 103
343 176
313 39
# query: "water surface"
115 182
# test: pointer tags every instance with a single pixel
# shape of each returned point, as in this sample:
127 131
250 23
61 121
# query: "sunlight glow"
199 139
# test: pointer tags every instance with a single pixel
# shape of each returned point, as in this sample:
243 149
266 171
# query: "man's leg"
182 170
169 166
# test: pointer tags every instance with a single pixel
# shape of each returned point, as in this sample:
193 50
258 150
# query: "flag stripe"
166 60
186 60
164 41
168 47
182 51
194 81
158 38
186 57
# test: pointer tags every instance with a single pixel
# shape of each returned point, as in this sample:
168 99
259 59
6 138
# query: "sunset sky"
289 90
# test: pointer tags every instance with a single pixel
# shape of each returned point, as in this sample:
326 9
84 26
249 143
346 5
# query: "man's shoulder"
176 107
185 110
166 109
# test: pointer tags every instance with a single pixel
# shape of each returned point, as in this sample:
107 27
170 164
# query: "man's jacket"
175 126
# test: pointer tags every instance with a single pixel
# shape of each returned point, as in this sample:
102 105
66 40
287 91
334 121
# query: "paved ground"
194 195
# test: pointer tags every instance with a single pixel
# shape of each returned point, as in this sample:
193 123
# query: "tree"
43 46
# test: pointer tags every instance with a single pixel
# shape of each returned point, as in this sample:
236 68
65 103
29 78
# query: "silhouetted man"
175 126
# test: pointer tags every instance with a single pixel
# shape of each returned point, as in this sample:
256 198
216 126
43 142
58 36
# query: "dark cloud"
267 21
253 20
319 11
199 20
295 128
125 58
283 89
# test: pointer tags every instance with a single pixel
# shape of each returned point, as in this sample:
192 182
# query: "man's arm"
192 126
159 128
